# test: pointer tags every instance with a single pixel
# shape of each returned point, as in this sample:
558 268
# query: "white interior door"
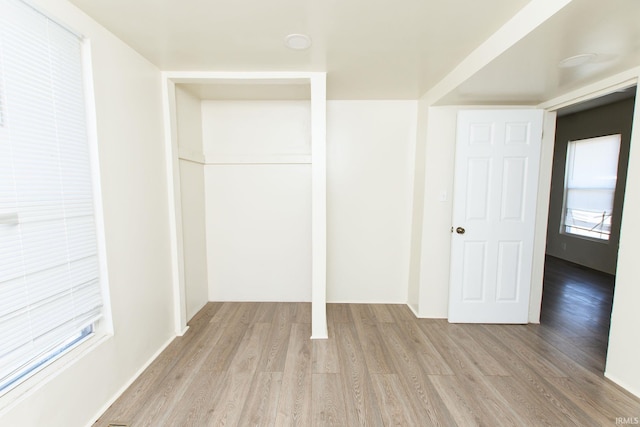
494 202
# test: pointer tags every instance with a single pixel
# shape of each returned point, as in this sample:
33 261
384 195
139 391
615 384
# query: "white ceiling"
529 73
379 49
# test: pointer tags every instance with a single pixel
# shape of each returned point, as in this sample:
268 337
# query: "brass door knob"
460 230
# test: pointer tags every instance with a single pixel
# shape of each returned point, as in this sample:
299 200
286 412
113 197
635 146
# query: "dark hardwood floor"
576 304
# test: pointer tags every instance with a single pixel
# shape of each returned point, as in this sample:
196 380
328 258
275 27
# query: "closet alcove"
247 154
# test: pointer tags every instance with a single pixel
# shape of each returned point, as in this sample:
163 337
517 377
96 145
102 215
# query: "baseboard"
413 310
323 337
623 385
415 313
367 302
128 383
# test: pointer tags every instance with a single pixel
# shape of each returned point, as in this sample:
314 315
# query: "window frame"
565 189
102 329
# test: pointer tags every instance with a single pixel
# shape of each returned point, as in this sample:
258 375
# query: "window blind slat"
10 253
47 284
12 296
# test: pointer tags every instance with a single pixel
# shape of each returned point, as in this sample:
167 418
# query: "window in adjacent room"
50 281
590 183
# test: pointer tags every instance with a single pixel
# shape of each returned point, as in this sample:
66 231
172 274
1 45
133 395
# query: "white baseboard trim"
413 310
368 302
415 313
625 386
131 380
324 337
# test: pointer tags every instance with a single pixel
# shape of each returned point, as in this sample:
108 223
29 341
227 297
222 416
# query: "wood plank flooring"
576 305
253 364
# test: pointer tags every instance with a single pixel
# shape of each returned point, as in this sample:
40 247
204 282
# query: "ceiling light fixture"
577 60
297 41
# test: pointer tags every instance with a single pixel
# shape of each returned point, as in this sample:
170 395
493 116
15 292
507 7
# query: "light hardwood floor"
253 364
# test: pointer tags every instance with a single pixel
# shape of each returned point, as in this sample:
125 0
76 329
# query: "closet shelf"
253 159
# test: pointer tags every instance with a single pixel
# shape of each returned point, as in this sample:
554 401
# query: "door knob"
460 230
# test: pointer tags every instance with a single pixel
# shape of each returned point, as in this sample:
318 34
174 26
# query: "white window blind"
50 292
590 183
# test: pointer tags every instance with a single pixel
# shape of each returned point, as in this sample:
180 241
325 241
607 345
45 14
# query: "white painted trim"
591 91
239 77
594 90
317 82
257 160
624 314
624 385
531 16
106 323
173 198
128 384
192 156
213 159
414 310
319 206
542 216
376 302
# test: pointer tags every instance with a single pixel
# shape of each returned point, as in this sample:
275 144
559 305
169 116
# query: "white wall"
235 130
370 163
436 221
189 131
624 351
258 199
259 232
258 205
131 149
192 184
